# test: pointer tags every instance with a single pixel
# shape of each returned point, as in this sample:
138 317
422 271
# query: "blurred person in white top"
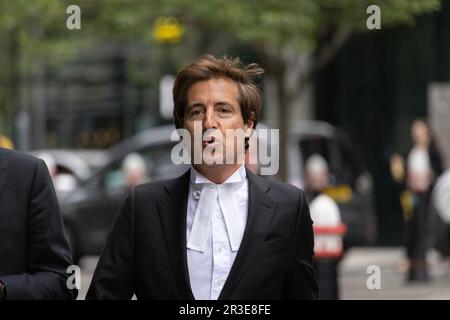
420 172
328 228
423 165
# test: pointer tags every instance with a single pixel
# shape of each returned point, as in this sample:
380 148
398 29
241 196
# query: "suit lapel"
260 213
172 212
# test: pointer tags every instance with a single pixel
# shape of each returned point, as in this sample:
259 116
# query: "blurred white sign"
165 96
439 116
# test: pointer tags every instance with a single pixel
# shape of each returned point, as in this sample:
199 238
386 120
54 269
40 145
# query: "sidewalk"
354 277
353 281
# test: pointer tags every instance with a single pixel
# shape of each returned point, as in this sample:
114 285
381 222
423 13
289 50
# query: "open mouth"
209 140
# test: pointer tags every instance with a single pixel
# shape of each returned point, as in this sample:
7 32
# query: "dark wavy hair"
209 67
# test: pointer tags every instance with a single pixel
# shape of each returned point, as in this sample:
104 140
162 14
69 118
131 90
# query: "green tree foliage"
282 32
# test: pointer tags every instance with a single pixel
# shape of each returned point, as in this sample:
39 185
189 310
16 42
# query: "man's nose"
210 121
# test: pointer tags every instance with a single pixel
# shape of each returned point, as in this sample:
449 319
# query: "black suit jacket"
34 254
145 252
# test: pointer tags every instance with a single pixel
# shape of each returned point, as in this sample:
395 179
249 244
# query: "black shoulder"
282 191
150 189
160 188
18 158
19 163
276 190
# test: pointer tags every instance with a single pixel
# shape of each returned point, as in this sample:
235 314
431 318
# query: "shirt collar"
238 176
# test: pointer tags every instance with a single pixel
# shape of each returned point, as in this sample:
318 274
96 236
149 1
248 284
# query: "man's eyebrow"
195 104
223 102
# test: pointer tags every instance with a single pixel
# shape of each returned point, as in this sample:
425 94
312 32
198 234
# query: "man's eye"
223 109
196 112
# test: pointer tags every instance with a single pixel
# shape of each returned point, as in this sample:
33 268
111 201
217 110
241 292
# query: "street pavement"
393 285
358 265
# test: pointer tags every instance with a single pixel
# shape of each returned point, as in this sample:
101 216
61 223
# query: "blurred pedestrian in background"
328 228
134 169
418 173
62 181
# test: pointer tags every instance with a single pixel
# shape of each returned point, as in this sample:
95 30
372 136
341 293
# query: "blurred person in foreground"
218 231
34 254
441 226
418 172
328 227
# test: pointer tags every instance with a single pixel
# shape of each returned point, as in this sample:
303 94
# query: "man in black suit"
34 254
218 231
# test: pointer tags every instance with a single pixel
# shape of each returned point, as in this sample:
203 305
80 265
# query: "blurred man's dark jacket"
34 254
145 253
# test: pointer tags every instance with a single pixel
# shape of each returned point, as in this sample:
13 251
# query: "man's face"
213 107
316 181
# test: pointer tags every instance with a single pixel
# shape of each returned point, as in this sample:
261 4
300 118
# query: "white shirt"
209 266
419 161
419 170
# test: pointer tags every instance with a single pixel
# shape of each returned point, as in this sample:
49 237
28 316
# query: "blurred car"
69 167
89 211
351 185
79 162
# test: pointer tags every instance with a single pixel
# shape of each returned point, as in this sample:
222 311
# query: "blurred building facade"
95 101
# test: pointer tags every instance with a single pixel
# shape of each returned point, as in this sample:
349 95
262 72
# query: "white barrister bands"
210 193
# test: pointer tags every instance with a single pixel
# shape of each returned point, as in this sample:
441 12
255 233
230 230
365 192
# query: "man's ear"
250 121
249 125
